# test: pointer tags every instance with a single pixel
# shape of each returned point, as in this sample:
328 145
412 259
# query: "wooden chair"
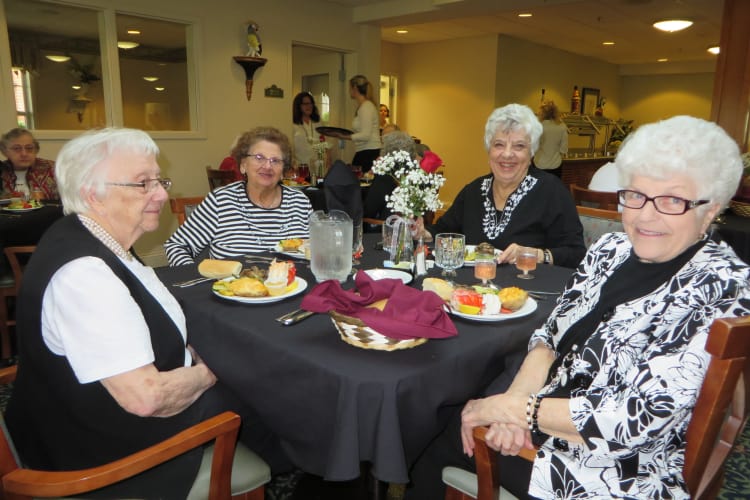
218 178
597 221
598 199
222 471
182 207
9 287
720 415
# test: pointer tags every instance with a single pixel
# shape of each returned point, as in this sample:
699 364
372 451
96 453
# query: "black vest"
58 423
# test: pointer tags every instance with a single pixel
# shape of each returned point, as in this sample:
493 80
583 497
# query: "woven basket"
353 331
740 208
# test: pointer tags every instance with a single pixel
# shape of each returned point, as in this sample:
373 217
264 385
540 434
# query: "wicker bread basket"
740 208
353 331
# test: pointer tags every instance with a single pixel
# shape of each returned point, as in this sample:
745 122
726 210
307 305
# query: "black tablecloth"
335 405
24 228
735 230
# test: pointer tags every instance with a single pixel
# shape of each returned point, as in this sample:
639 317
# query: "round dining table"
20 228
336 406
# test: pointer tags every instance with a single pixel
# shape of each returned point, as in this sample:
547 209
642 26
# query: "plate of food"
333 131
470 255
278 283
379 274
23 206
477 303
293 247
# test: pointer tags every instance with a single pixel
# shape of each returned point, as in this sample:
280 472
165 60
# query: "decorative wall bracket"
249 64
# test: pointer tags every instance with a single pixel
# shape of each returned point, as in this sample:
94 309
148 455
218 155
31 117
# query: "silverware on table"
294 317
184 284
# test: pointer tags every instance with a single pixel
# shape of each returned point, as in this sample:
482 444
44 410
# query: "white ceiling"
578 26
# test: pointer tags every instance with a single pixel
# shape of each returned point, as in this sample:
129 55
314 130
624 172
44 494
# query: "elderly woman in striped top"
246 216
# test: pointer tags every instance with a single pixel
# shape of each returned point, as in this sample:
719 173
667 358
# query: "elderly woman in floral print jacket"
609 383
615 372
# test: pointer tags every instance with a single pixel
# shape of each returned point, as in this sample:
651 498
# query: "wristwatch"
547 256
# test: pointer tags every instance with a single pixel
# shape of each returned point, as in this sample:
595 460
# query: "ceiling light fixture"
608 43
525 14
714 49
57 58
134 32
127 45
672 25
663 59
402 32
159 88
76 87
151 78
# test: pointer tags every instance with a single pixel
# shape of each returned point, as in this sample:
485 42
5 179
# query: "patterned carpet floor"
296 486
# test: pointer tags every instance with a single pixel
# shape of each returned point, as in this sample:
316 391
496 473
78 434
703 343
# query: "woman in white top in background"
366 125
554 141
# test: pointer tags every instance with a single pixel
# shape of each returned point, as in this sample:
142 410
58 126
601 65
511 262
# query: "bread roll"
219 269
440 287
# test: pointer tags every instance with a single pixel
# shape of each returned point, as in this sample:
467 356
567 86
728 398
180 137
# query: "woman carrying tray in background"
250 216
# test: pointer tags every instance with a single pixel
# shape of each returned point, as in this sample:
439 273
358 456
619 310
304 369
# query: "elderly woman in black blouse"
516 204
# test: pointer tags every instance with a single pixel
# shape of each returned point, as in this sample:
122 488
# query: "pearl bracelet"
529 404
535 415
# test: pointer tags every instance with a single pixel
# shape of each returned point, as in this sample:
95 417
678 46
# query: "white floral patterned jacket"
646 364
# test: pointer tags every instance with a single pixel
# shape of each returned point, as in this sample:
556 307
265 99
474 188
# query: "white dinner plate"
301 286
528 308
471 249
19 210
293 254
379 274
4 201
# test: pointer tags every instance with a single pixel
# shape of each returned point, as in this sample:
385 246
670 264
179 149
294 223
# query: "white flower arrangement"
320 148
418 184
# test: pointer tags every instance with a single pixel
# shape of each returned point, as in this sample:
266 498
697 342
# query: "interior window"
153 73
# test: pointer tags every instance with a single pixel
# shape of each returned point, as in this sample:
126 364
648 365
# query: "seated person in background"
250 216
613 375
383 185
229 163
105 370
391 127
605 179
516 204
23 172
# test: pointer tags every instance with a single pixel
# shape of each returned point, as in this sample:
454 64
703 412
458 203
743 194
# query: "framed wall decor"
589 100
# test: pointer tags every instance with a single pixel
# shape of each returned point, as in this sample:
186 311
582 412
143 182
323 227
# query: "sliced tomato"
291 272
468 297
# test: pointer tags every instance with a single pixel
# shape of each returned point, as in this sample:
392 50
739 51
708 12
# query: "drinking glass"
485 269
526 261
449 252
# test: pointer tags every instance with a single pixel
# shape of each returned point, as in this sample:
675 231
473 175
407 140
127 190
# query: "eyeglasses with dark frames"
668 205
147 185
17 148
258 160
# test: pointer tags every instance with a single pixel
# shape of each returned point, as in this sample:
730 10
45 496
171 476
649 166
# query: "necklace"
102 235
308 129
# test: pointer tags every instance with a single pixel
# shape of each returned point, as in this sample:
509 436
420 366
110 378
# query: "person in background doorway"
384 114
554 141
306 118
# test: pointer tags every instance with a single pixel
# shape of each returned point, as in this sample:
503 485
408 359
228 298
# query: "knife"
294 317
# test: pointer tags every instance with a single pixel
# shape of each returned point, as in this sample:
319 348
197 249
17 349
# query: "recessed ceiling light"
525 14
402 32
714 49
159 88
663 59
134 32
76 87
608 43
127 45
57 58
150 78
672 25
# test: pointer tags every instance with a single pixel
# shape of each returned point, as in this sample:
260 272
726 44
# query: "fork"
195 281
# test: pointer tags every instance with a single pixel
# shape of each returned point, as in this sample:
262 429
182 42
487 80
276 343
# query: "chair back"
9 459
183 207
596 222
17 258
218 178
721 411
598 199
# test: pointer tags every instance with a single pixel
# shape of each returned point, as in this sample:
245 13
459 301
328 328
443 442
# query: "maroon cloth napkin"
408 314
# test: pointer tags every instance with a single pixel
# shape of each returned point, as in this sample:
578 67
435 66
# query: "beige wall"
648 98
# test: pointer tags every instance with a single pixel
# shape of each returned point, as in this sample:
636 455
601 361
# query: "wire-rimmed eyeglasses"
17 148
258 160
147 185
668 205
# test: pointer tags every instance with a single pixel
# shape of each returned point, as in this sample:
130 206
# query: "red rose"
430 162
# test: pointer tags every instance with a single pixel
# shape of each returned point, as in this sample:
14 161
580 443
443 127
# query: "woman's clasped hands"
508 432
